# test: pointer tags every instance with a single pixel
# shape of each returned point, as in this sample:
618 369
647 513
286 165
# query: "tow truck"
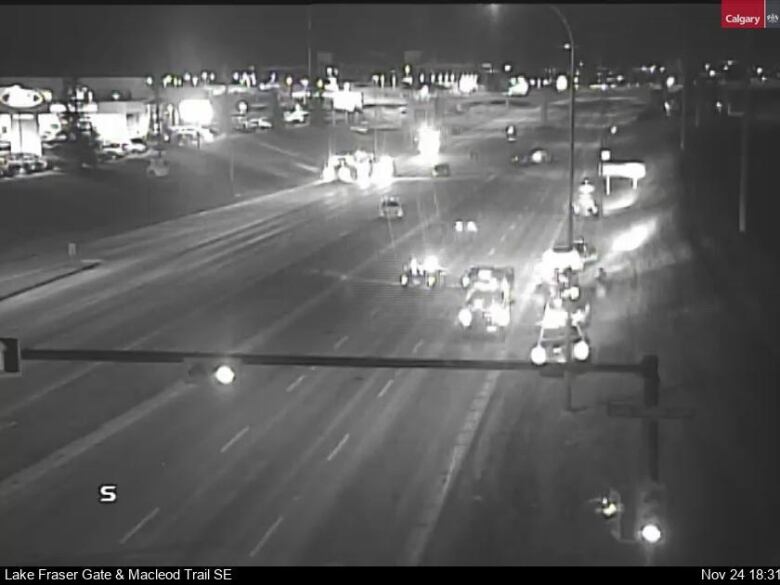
556 327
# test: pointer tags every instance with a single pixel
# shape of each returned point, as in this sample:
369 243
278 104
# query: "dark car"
441 170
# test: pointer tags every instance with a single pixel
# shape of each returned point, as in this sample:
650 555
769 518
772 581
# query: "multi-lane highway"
333 466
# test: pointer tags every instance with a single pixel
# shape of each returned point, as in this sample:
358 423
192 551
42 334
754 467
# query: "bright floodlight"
538 355
501 316
429 142
581 350
613 130
670 81
465 317
561 83
224 374
149 80
521 87
430 264
605 154
650 533
196 111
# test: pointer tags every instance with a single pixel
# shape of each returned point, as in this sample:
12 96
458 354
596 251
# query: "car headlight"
538 355
465 281
458 226
581 350
465 317
471 227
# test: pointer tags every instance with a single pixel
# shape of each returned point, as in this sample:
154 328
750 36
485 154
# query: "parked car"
137 146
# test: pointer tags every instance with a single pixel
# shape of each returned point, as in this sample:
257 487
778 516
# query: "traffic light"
10 357
651 528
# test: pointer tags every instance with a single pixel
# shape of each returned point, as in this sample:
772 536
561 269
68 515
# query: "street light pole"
570 215
572 69
308 40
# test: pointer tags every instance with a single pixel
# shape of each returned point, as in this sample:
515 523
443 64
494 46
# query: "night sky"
138 39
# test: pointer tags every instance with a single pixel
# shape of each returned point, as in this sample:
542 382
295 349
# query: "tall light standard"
570 47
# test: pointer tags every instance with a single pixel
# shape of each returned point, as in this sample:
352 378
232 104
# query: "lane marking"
417 346
374 312
335 451
503 237
513 226
140 525
385 388
235 438
71 451
293 385
266 537
492 251
340 342
424 529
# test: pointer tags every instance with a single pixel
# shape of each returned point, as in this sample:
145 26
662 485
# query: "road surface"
331 466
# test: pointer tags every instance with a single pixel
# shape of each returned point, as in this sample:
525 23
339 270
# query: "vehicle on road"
556 328
465 227
482 277
511 133
441 170
488 308
391 208
585 205
26 163
111 151
158 167
137 146
359 167
296 116
536 156
427 273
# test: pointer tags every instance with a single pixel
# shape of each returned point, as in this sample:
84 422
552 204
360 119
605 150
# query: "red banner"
742 14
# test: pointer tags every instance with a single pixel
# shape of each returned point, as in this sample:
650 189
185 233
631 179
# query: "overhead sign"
17 97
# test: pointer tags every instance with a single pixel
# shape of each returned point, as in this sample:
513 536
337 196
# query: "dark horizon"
136 40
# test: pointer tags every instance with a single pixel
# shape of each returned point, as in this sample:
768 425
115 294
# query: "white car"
136 146
113 150
296 116
391 208
259 124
